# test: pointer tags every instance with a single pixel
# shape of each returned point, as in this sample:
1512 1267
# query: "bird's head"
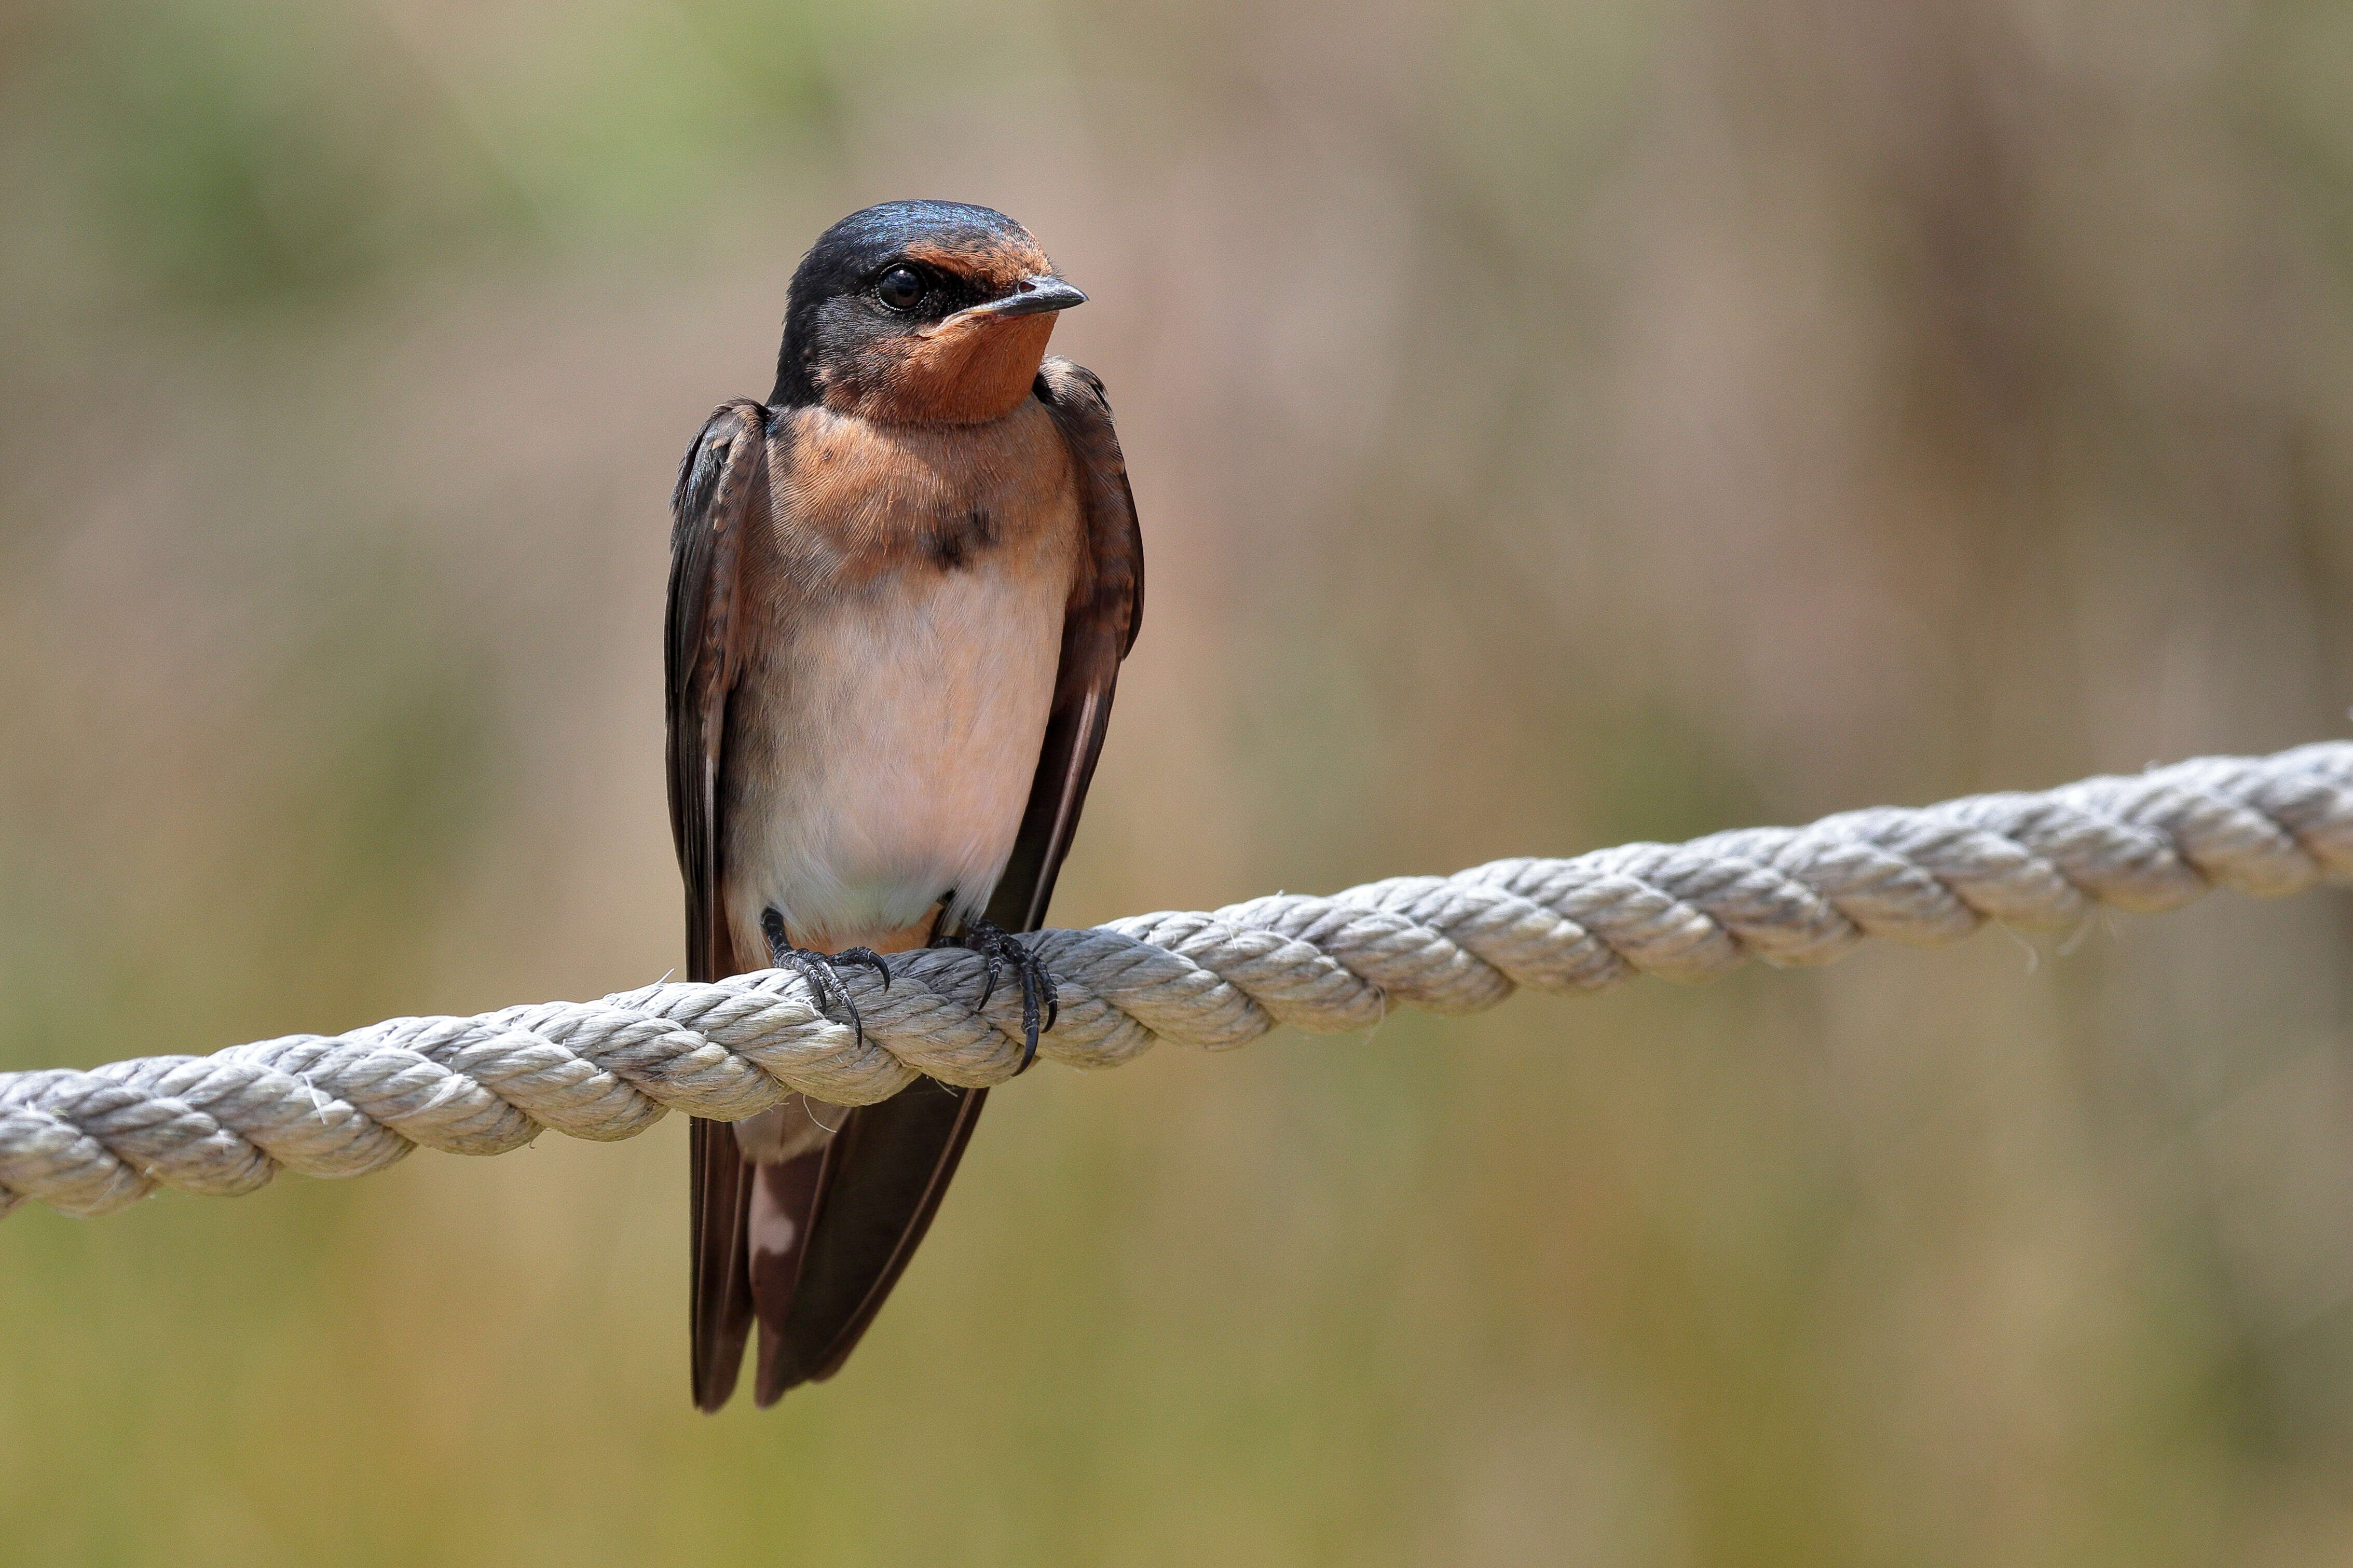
920 312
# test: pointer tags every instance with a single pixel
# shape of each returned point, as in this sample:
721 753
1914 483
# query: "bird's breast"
884 740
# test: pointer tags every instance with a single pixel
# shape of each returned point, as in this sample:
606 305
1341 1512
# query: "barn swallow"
899 592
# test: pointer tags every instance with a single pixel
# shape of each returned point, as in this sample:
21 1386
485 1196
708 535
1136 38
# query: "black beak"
1031 297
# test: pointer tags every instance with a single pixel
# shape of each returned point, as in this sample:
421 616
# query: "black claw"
822 972
1000 950
867 958
1029 1018
832 997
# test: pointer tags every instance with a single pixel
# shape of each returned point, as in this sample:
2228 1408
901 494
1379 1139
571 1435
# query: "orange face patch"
962 371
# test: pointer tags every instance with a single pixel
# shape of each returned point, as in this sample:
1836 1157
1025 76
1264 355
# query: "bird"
901 591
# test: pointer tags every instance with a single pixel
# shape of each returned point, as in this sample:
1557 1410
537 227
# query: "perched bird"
899 592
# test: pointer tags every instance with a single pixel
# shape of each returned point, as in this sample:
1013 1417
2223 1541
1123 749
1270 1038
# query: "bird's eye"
900 288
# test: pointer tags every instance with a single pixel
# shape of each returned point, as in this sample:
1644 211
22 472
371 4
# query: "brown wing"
1106 611
886 1171
722 492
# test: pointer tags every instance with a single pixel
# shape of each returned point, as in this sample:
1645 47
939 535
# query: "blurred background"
1553 426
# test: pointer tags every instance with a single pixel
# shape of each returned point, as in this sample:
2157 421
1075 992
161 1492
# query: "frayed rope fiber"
341 1105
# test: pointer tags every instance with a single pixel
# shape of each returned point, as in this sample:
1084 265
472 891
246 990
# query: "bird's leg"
1004 951
821 970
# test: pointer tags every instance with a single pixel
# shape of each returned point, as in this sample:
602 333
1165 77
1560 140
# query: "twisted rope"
90 1143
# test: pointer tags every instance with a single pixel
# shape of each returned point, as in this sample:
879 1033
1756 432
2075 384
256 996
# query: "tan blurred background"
1553 426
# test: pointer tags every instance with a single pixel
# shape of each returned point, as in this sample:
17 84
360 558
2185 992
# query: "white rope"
90 1142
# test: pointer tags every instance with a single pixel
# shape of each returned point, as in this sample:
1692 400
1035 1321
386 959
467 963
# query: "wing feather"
1099 627
722 494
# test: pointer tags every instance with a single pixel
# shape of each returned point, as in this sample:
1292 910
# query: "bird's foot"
1004 951
822 971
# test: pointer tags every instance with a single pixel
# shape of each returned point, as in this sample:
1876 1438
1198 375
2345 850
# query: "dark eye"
900 288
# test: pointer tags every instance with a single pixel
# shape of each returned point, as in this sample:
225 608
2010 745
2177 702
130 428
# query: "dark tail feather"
783 1209
884 1175
814 1273
720 1193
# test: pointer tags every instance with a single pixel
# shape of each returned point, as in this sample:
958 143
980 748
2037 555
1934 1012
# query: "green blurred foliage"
1555 425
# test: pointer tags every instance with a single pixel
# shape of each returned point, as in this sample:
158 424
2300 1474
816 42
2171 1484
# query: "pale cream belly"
893 763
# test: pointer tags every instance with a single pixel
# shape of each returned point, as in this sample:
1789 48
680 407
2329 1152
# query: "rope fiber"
342 1105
